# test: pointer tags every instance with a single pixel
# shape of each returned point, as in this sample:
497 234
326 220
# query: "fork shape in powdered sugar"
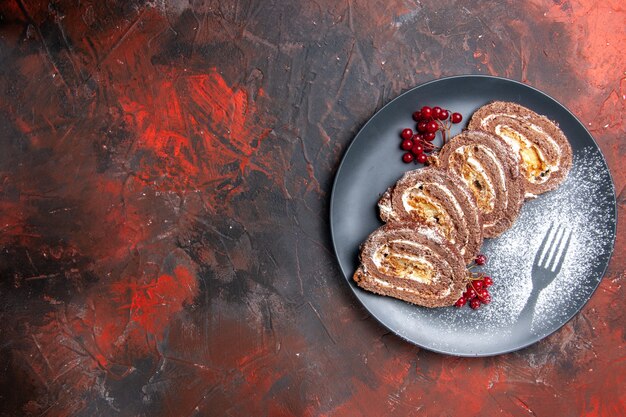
546 266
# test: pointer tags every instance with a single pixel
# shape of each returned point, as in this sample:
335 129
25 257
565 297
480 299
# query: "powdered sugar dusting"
584 205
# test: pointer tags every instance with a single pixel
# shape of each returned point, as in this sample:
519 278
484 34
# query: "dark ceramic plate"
519 314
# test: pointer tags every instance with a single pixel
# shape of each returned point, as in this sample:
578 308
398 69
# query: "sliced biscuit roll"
415 264
435 199
489 170
542 149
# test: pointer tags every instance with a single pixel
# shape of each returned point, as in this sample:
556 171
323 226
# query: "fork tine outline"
563 250
553 250
543 245
547 265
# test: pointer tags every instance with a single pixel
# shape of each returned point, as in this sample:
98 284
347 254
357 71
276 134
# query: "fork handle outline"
529 308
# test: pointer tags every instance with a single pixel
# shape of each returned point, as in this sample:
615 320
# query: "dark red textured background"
165 171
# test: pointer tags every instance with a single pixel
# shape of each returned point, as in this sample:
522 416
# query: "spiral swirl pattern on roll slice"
433 198
489 170
542 149
414 264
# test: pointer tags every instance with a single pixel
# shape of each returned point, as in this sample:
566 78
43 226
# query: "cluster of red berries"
429 120
476 292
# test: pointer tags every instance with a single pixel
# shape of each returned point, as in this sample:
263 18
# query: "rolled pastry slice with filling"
415 264
433 198
489 170
542 149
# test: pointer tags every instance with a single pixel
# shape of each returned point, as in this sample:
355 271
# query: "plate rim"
354 288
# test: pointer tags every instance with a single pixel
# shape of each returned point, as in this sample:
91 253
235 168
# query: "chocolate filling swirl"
435 199
541 148
414 264
490 172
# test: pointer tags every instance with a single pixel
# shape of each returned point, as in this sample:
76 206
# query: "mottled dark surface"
165 171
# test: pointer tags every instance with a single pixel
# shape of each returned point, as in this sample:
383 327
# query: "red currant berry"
417 149
475 303
407 144
456 118
444 114
487 282
481 259
427 112
421 158
478 284
429 136
461 302
486 299
436 112
432 126
406 134
417 116
421 126
407 157
470 293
